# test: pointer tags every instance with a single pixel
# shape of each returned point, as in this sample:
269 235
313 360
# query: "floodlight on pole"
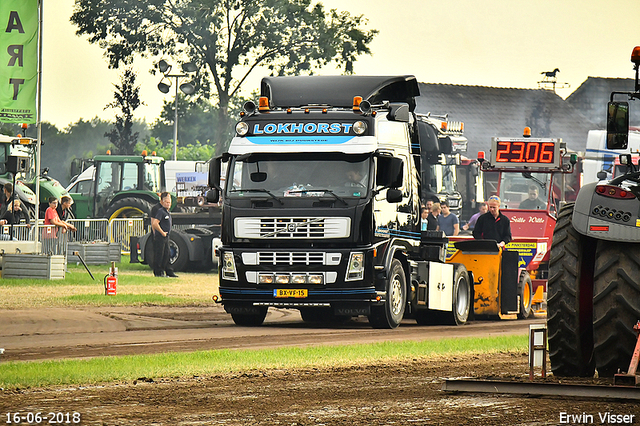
187 88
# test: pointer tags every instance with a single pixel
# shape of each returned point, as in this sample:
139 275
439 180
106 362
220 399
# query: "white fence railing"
54 241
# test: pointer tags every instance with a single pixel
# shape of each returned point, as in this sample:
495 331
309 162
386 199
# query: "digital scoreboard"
526 153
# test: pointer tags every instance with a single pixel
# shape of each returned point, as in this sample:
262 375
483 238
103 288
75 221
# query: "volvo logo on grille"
292 227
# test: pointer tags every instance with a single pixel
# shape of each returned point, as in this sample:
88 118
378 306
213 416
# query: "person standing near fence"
64 208
51 218
15 215
161 227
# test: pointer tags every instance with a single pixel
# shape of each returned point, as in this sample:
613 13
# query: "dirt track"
382 394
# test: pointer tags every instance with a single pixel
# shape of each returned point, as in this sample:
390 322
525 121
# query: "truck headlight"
356 267
229 267
359 127
242 128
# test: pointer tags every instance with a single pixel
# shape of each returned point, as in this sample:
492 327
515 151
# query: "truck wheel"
570 299
461 296
390 314
250 320
128 207
525 290
616 305
179 251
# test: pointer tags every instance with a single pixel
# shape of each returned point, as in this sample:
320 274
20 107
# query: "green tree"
127 99
228 39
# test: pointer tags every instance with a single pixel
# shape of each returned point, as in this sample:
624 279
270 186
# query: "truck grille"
292 228
288 258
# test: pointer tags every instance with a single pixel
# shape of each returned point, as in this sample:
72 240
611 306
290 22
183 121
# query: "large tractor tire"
128 207
616 305
525 291
570 299
391 312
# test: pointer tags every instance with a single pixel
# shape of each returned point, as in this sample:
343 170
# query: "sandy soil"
399 393
385 394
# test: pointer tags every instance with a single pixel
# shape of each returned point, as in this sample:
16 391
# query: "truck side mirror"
214 173
390 172
445 144
213 195
394 195
617 125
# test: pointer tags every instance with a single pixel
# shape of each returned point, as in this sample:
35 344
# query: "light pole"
186 88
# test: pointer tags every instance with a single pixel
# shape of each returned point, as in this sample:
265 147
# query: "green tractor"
117 186
26 180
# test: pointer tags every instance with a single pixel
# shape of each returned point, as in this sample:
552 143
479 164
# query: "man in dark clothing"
161 227
5 197
493 225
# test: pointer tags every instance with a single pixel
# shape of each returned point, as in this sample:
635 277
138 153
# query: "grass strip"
28 374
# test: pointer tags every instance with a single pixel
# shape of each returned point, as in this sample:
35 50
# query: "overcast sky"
500 43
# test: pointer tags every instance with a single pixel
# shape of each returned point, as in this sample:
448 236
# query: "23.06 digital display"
525 153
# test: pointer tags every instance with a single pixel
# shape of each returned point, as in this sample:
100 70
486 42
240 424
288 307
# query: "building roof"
593 94
505 112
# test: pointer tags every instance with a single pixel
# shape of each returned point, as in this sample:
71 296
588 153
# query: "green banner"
18 60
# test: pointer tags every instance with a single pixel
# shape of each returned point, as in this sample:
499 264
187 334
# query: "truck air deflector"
339 91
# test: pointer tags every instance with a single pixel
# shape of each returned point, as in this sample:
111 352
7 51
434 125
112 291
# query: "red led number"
525 152
546 155
502 152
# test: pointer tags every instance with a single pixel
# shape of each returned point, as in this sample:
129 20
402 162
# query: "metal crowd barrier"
20 232
120 229
89 230
53 240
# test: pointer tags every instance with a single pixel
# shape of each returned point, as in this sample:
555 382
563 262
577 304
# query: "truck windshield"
311 175
443 179
529 191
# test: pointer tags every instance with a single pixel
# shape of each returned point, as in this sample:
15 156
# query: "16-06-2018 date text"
36 418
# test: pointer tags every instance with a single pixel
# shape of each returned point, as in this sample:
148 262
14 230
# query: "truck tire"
391 312
616 305
179 251
461 296
128 207
570 299
525 291
250 320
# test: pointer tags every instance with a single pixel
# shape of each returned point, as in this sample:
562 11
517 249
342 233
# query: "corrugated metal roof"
504 112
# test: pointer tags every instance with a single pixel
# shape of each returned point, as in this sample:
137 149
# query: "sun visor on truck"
339 90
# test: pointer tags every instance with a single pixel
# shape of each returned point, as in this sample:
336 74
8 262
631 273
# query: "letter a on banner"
18 60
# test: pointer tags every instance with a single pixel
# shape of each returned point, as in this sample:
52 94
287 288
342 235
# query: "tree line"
226 40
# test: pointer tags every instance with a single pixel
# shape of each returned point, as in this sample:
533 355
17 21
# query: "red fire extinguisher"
111 280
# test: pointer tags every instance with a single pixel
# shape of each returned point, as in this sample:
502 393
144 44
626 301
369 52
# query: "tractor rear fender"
582 208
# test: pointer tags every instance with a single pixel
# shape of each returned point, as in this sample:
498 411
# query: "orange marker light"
526 132
635 55
108 152
263 103
356 103
144 153
481 155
